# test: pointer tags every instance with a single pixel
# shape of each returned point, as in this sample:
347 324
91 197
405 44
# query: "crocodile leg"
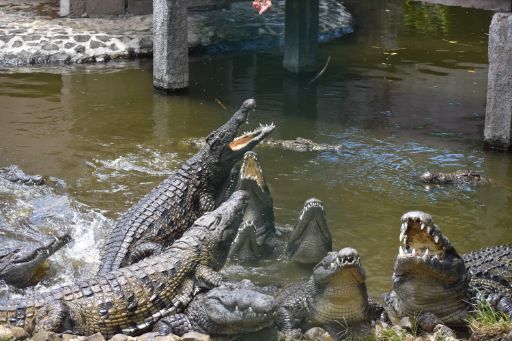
207 201
143 250
285 324
185 295
208 277
52 317
505 305
177 324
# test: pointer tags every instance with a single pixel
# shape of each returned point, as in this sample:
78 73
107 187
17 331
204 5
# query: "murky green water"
404 94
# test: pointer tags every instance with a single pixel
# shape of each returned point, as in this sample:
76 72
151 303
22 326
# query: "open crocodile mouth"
251 170
421 238
345 262
245 242
244 140
309 206
339 266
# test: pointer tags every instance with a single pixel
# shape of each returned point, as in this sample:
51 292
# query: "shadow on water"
403 94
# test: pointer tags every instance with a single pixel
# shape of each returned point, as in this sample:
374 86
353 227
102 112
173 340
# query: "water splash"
51 212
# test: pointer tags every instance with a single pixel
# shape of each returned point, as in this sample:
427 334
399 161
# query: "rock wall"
102 8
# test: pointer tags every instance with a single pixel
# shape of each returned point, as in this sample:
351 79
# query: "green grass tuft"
488 324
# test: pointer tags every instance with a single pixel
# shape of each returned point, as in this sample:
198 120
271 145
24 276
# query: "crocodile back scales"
162 215
127 300
490 269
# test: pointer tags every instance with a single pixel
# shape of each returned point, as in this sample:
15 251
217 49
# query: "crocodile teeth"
429 230
422 227
436 239
401 251
402 236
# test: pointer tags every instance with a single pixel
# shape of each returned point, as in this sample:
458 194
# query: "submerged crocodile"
229 309
299 144
431 277
167 211
14 174
334 298
457 177
23 249
130 300
309 241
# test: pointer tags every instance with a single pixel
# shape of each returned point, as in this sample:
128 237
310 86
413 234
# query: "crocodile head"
339 283
22 253
225 148
245 248
428 177
429 275
234 308
310 239
261 206
221 226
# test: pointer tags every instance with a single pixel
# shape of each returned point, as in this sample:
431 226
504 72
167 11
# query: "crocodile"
334 298
259 215
14 174
308 242
431 277
229 309
299 144
168 210
310 239
490 269
131 299
458 177
23 249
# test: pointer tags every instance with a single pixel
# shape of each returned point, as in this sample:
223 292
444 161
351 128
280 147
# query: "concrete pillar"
301 35
170 45
498 117
72 8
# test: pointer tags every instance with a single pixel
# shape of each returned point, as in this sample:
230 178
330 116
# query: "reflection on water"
403 94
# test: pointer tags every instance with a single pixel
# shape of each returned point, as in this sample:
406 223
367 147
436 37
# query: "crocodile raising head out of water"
257 235
168 210
457 177
334 298
310 240
308 243
229 309
130 300
429 275
23 249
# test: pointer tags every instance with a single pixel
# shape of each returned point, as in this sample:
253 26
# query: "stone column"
301 35
498 117
170 45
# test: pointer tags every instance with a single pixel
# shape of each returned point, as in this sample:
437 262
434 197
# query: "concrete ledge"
498 117
491 5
